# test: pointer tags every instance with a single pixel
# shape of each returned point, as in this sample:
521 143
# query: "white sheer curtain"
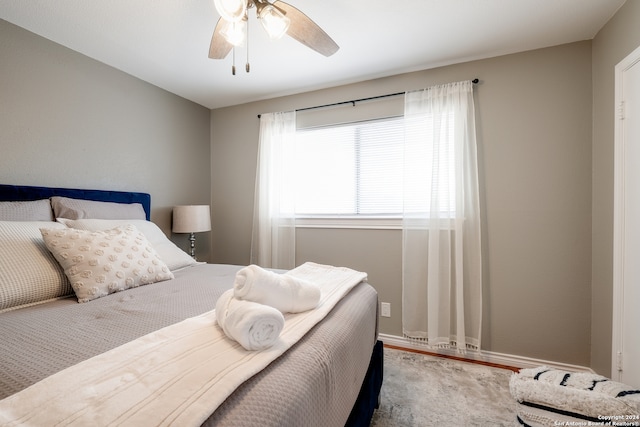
442 267
274 232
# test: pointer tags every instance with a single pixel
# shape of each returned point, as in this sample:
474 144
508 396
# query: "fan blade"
307 32
219 47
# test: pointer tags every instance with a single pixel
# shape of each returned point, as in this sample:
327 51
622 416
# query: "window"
355 170
350 170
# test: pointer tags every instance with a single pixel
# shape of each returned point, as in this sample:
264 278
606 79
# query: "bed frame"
25 193
367 400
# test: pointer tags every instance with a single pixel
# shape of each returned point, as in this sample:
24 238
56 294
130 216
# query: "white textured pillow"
98 263
173 256
35 210
65 207
28 272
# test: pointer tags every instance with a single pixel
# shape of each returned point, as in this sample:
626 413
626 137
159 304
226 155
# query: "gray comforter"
314 384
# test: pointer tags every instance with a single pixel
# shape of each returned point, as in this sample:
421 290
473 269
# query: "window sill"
372 223
375 222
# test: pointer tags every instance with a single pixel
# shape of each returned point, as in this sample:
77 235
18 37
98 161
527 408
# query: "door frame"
619 215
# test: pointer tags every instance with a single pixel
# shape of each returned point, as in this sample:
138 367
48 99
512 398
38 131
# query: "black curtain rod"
353 101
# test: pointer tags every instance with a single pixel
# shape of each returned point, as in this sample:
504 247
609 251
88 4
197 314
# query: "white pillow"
98 263
33 210
65 207
173 256
28 272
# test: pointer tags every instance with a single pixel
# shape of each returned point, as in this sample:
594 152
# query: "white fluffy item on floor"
583 394
535 417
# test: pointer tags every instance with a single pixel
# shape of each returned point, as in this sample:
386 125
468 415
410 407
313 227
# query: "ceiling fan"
277 18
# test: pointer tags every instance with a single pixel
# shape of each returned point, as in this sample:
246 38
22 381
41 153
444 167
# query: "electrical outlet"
385 309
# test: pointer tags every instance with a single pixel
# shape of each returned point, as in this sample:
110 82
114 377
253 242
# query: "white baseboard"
483 356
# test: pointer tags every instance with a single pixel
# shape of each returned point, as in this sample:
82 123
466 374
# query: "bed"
331 376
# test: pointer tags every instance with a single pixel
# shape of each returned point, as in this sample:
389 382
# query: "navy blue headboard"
26 193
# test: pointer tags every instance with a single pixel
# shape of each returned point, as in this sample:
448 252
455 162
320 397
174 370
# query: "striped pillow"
582 395
35 210
65 207
29 274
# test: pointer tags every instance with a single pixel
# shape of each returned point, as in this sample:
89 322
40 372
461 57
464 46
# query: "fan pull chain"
247 67
233 66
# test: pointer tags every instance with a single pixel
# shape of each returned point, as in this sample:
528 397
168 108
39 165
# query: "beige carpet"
420 390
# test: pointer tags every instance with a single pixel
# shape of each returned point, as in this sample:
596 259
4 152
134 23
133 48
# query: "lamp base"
192 239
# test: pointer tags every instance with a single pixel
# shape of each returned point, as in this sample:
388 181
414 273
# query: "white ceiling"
166 42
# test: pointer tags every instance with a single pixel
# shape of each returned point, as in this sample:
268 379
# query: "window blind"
350 169
358 169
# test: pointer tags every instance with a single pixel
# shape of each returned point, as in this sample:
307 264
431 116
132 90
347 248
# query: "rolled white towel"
282 291
255 326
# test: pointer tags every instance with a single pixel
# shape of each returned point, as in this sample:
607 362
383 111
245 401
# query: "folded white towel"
282 291
255 326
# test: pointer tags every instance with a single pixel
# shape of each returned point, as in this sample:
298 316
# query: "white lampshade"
235 33
274 22
231 10
191 219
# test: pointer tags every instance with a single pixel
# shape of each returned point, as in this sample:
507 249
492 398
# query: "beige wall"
546 172
611 45
69 121
534 135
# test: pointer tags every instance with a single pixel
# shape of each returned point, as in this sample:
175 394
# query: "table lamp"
191 219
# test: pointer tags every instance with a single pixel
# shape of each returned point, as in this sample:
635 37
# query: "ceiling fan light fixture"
274 22
231 10
234 33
